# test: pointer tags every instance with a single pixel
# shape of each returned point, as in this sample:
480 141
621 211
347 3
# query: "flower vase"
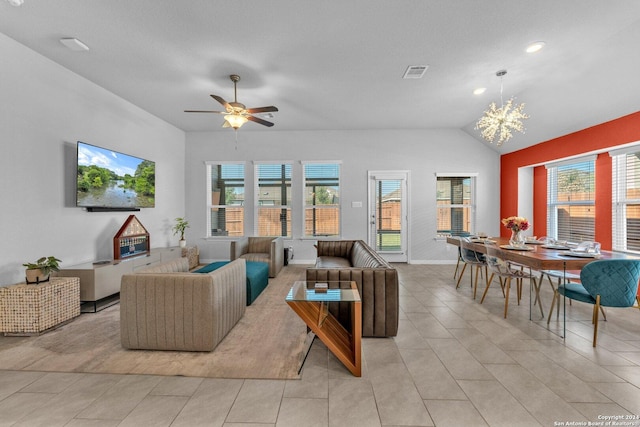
517 239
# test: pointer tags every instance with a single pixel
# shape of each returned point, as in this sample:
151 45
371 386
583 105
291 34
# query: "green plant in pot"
39 271
179 228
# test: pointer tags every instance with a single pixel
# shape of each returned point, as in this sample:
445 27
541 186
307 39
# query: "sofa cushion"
362 257
257 276
257 257
332 262
260 245
178 265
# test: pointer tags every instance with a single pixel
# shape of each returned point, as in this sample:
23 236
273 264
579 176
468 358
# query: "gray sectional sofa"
165 307
354 260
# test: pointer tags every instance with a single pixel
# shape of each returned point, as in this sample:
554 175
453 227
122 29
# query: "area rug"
269 342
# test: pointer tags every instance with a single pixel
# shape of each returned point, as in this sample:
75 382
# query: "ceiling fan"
237 114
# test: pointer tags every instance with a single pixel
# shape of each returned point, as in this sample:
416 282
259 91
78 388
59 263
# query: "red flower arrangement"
516 223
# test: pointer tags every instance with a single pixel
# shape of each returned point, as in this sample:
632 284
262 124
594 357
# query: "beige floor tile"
624 394
314 384
409 336
397 398
448 318
210 403
431 378
17 405
410 304
428 326
53 382
496 405
459 362
482 349
14 381
303 413
66 405
538 399
454 413
352 403
122 398
84 422
556 378
177 386
155 411
258 402
594 411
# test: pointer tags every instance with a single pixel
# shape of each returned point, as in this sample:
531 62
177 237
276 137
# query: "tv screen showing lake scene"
110 179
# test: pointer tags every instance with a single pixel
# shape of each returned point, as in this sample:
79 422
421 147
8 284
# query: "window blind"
225 199
455 205
321 199
571 201
273 199
626 202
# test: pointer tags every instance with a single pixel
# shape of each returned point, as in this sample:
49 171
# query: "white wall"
44 110
423 152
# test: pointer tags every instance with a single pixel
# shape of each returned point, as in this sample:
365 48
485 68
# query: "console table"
311 306
100 283
34 309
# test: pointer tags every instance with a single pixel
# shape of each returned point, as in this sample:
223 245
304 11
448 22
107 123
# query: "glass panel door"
388 214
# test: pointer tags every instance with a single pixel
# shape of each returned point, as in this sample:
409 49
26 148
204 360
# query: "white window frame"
552 192
304 164
472 206
209 205
619 197
256 186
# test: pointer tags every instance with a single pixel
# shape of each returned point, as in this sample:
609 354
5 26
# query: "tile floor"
454 363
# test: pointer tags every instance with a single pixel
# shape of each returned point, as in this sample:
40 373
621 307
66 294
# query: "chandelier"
501 121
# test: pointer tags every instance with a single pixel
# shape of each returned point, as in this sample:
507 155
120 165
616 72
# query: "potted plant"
181 225
39 271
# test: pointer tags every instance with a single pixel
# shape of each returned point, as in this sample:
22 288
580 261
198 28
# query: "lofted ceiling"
338 65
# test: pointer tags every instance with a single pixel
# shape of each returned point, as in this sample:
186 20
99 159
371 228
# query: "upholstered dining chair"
506 272
473 259
604 283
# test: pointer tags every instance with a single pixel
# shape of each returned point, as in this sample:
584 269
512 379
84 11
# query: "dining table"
535 255
540 256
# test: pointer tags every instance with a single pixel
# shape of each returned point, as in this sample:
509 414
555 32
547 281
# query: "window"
571 200
273 199
225 184
626 202
455 205
321 199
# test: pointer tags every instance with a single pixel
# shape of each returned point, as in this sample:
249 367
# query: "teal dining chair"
603 283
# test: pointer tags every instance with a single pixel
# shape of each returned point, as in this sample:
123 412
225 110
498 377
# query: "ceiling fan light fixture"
235 120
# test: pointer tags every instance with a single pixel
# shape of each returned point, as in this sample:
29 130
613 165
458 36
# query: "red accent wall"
620 131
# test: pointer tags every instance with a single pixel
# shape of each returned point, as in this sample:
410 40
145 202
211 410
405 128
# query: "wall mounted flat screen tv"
109 180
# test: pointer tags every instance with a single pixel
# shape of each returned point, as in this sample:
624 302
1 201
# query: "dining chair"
473 259
505 271
603 283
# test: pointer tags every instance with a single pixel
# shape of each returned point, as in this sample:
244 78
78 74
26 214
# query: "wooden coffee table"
312 307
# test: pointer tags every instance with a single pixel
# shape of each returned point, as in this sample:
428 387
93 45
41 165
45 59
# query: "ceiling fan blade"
268 109
224 103
205 111
257 120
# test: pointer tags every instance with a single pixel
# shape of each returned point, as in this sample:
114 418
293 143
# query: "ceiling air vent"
415 71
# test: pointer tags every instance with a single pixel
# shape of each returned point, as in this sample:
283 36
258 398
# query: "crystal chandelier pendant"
500 122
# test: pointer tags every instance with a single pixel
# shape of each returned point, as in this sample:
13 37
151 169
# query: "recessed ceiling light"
15 2
535 47
479 91
74 44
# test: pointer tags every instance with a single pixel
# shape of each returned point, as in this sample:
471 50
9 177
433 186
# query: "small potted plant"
181 225
39 271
